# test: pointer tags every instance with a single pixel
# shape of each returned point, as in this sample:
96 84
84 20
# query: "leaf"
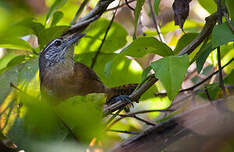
221 35
56 18
145 73
6 59
56 5
203 56
15 43
230 8
17 60
144 45
47 35
184 41
137 12
209 5
171 71
156 6
230 78
181 11
86 109
107 70
24 27
116 38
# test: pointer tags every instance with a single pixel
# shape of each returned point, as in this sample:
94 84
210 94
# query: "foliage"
125 58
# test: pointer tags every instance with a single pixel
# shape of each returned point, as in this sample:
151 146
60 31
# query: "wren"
62 77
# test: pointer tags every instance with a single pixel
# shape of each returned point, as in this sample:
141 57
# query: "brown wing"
87 80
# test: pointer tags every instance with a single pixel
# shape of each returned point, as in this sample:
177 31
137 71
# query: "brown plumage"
60 76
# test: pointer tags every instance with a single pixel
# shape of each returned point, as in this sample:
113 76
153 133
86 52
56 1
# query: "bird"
62 77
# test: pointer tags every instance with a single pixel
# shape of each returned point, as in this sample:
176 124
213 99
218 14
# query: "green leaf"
230 8
17 60
6 59
137 12
171 72
156 6
212 89
24 27
107 70
116 38
15 43
230 78
221 35
184 41
56 18
203 56
145 73
144 45
47 35
208 5
56 5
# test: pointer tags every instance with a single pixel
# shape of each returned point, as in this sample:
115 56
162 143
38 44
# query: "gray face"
55 51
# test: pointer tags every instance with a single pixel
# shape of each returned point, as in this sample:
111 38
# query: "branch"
207 29
155 20
79 11
221 83
228 21
89 18
185 128
111 9
103 40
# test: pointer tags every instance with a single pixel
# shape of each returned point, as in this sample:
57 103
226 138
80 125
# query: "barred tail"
120 90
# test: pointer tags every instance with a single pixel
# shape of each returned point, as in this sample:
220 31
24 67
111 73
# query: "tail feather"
121 90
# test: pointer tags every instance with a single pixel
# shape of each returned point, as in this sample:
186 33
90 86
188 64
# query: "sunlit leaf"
221 35
171 72
208 5
84 115
144 45
56 5
14 43
116 38
56 18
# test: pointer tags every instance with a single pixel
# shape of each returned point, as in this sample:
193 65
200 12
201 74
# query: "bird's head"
59 50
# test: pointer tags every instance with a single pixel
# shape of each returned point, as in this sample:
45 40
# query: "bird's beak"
74 38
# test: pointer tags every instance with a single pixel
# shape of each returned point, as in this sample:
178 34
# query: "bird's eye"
57 43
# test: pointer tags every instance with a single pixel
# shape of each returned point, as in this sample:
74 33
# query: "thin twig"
111 9
221 83
147 111
200 83
131 8
125 132
103 40
207 94
154 17
79 11
145 121
228 21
